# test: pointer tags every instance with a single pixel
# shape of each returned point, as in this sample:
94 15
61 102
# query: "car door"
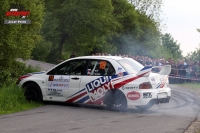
97 80
64 80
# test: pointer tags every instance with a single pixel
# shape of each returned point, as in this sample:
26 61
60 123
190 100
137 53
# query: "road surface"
173 117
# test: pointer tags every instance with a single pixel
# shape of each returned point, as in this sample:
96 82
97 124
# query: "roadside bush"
11 97
16 69
13 100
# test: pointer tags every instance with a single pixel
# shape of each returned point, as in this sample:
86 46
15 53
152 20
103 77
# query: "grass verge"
11 96
195 86
13 100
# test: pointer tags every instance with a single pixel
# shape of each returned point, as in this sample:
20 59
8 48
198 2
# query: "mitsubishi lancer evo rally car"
112 81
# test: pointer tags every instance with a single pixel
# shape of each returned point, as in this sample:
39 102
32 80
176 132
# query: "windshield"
130 65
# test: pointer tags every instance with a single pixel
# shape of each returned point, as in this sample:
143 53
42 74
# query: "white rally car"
113 81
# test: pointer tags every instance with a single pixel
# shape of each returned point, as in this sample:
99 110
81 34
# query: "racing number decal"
102 64
51 78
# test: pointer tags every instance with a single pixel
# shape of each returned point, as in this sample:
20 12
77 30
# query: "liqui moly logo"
98 87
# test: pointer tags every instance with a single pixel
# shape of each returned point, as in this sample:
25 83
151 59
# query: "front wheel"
32 92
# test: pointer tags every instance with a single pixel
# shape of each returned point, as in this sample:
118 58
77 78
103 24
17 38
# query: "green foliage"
41 50
111 26
18 40
160 51
138 33
151 8
195 86
10 74
195 55
13 100
172 47
11 97
78 25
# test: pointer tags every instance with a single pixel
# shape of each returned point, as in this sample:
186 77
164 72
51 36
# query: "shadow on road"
98 107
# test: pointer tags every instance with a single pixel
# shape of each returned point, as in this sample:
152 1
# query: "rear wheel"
115 100
32 92
109 100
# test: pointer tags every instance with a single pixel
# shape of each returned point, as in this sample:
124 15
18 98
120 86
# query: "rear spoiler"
145 72
165 70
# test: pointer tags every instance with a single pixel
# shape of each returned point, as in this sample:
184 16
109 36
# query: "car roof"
99 57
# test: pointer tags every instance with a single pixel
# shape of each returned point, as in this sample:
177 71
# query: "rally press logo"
17 10
17 13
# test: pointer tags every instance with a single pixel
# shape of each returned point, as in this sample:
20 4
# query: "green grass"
190 85
13 100
30 69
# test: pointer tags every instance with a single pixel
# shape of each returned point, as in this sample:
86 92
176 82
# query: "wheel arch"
29 82
112 91
36 84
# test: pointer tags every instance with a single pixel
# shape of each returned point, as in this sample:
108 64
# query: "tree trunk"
60 48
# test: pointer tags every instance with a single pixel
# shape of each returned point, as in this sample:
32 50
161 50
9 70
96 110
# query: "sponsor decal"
147 95
59 78
119 69
152 79
128 88
53 84
162 79
59 82
54 92
51 78
163 82
120 74
92 94
133 95
98 87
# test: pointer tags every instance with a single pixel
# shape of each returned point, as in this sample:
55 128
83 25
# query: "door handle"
75 78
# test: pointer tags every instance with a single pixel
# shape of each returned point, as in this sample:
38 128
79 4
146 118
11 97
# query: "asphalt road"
173 117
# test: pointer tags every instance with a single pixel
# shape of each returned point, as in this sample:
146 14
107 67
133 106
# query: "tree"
17 40
194 55
172 46
79 24
41 50
151 8
138 33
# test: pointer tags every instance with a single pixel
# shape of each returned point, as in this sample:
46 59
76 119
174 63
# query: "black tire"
109 100
32 92
115 100
120 102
